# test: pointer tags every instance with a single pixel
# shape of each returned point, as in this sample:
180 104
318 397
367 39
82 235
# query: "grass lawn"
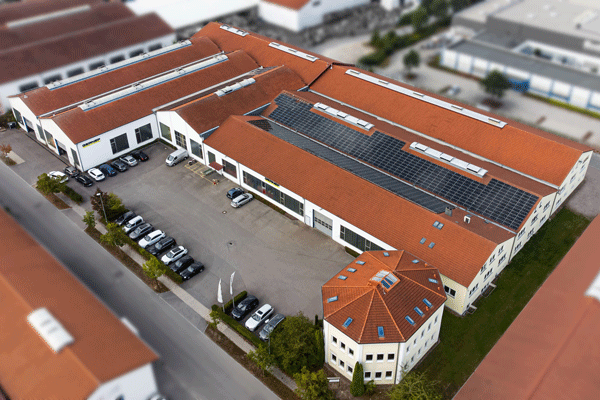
465 341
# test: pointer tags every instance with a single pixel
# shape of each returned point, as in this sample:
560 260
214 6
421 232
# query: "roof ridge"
350 302
391 317
423 286
362 331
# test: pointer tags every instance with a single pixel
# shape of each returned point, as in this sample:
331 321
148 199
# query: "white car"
133 223
151 238
259 317
174 255
96 174
57 174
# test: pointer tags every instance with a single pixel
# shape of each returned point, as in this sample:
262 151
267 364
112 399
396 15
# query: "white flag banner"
231 284
220 294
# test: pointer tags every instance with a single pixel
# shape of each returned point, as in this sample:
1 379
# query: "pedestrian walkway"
184 296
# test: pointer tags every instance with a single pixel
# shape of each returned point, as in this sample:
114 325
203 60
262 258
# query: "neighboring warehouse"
373 164
43 42
551 350
57 339
547 47
383 310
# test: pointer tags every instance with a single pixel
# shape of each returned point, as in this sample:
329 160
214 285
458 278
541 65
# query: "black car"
84 180
244 307
119 165
192 270
107 170
141 231
182 263
139 155
235 192
71 171
161 246
125 217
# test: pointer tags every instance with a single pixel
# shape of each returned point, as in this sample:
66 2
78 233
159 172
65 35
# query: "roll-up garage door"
323 223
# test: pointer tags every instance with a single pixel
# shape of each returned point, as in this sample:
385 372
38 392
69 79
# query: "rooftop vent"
347 323
234 87
53 333
468 219
234 30
448 211
474 169
332 299
380 332
295 52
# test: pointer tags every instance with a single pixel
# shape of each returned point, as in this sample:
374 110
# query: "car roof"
265 308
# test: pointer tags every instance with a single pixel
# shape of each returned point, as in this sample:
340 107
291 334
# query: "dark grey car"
161 246
124 218
244 307
141 231
269 326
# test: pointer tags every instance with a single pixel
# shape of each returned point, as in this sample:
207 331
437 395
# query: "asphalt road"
191 365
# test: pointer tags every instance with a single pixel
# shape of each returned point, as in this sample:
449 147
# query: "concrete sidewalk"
184 296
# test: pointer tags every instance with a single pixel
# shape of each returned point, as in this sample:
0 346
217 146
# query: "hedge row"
73 195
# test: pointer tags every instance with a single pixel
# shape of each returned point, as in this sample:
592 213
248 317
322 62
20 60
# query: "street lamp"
101 202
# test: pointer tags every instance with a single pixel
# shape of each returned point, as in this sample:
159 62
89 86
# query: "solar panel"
498 201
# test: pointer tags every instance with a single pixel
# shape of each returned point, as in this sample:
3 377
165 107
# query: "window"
180 140
52 78
377 375
407 348
534 219
356 240
17 115
165 132
391 356
334 340
350 352
487 275
40 133
429 327
119 143
342 364
412 359
492 258
546 206
543 219
521 233
422 333
518 246
473 290
380 357
136 53
155 47
76 71
49 139
450 292
291 203
369 358
143 133
501 250
426 343
230 168
419 352
28 86
97 65
502 259
368 375
117 59
436 318
388 374
530 234
483 268
349 369
343 346
196 148
333 357
75 158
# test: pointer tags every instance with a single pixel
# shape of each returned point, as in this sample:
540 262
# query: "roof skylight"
415 261
433 280
423 240
53 333
386 254
342 277
427 303
410 320
474 169
360 262
418 311
332 299
347 323
431 245
342 115
380 332
351 269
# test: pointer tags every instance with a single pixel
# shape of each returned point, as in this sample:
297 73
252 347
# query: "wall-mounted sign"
271 182
90 143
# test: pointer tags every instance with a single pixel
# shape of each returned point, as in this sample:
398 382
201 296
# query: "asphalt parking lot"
280 260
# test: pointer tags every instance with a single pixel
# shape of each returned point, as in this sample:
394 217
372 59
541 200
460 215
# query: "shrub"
73 195
239 297
351 252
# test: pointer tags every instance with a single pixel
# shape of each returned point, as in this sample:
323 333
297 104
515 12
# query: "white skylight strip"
234 87
231 29
474 169
117 65
295 52
48 16
53 333
428 99
343 116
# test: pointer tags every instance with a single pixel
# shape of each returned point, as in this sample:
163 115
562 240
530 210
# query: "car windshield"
170 158
256 317
147 238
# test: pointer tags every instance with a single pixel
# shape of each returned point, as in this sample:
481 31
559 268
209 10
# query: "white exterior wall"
535 221
57 134
456 303
279 15
138 384
176 123
575 177
17 104
419 343
11 88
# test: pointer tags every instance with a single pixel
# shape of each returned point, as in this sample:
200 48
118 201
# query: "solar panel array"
497 201
355 167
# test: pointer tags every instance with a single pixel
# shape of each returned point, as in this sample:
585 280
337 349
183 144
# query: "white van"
176 157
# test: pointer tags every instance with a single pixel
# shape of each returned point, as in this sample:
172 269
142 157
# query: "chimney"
468 219
448 211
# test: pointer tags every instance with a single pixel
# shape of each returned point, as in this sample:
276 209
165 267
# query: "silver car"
270 326
174 255
241 200
129 160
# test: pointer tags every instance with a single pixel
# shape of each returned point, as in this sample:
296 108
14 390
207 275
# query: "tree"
357 387
419 18
411 59
114 235
112 204
296 343
215 317
376 40
439 8
415 386
426 4
153 268
48 185
312 385
495 83
5 149
262 358
458 5
89 219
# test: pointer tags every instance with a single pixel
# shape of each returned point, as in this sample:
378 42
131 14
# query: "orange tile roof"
103 348
293 4
27 9
43 100
398 222
529 150
257 47
211 110
81 125
371 305
551 350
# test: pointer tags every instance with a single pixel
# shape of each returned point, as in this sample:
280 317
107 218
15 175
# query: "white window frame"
366 358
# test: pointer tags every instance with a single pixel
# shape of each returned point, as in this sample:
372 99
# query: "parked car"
96 174
176 157
124 218
259 317
181 264
244 307
84 180
71 171
58 175
453 91
174 255
241 200
133 223
270 326
119 165
235 192
132 162
192 270
151 238
107 170
140 155
161 246
141 231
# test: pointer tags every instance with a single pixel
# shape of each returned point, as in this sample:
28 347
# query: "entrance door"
62 150
323 223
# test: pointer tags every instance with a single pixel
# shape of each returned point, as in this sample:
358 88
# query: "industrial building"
384 310
58 341
43 42
550 48
372 163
